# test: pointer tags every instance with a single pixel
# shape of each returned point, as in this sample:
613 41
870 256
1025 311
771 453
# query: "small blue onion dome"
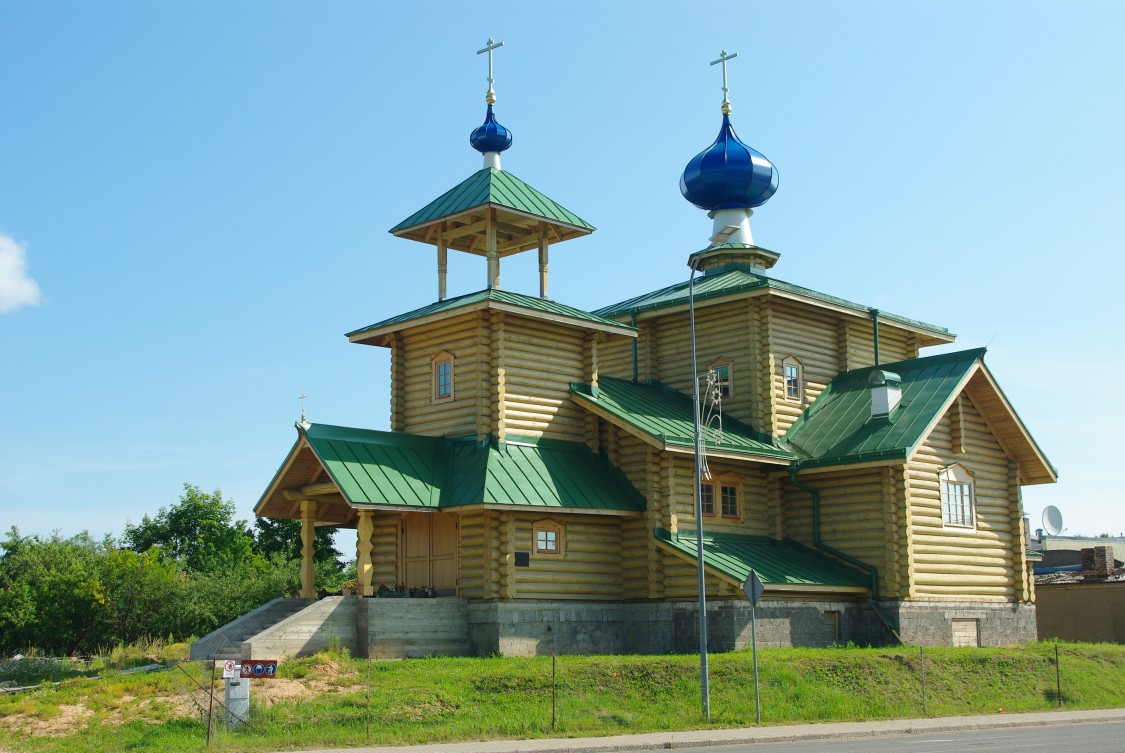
490 136
728 174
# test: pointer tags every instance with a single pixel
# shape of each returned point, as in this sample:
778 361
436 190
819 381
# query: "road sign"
230 668
263 669
753 588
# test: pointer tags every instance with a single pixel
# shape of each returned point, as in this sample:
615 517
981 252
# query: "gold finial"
490 97
723 58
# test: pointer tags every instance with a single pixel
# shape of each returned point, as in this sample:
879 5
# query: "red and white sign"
230 668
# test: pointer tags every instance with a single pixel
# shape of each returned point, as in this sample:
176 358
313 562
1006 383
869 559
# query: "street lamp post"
705 680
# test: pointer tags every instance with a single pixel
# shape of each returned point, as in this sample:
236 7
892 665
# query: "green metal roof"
737 278
392 468
666 415
491 187
839 428
533 306
776 562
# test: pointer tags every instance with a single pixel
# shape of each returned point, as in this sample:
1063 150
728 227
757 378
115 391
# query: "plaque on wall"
523 559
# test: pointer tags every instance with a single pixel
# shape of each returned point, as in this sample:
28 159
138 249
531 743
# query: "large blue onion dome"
490 136
728 174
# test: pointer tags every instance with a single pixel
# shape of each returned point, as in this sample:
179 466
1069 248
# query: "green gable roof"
839 428
491 187
536 307
403 470
777 563
665 415
735 278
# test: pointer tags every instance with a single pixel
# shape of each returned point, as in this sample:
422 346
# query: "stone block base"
937 623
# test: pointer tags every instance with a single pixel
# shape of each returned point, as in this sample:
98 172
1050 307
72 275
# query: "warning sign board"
260 668
229 668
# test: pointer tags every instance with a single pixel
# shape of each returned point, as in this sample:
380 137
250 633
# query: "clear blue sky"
194 199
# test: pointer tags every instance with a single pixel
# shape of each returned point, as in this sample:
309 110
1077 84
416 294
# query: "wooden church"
540 471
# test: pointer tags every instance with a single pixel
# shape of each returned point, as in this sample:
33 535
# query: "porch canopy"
338 476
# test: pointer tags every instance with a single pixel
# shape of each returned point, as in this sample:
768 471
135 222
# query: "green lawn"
323 701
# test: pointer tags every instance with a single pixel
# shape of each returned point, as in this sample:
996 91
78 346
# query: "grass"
322 701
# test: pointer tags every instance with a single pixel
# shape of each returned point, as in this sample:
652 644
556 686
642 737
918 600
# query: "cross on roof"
723 58
491 96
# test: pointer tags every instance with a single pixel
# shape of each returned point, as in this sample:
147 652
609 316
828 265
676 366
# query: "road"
1070 738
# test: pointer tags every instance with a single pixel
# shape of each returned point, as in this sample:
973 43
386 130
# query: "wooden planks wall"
985 564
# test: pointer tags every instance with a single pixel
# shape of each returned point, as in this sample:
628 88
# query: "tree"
199 532
283 537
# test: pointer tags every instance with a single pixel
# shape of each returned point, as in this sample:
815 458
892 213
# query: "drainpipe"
871 571
875 332
633 323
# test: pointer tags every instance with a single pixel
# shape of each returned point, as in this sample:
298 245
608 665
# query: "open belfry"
539 475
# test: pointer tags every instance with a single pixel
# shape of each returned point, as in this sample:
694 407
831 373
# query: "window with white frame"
549 537
958 508
794 373
723 368
442 369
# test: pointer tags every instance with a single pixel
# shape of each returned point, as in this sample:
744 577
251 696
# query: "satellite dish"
1052 520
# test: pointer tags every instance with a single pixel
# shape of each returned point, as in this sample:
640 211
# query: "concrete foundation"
933 623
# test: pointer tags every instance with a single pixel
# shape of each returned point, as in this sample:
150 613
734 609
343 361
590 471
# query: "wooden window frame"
549 525
716 486
440 359
786 363
955 513
728 383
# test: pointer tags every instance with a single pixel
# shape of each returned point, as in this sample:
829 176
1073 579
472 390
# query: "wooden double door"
429 551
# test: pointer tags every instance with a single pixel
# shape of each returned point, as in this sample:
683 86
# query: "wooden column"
542 259
491 252
308 532
442 265
363 567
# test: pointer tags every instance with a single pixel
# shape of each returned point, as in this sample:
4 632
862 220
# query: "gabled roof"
380 468
663 417
498 189
737 279
838 427
781 565
539 308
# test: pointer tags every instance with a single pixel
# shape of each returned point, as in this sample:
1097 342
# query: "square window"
547 541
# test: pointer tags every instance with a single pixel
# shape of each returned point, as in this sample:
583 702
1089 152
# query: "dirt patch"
71 718
280 689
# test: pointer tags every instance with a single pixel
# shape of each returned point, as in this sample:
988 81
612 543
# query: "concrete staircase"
379 628
226 642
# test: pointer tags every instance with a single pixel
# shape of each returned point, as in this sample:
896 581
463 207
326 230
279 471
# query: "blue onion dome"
490 136
728 174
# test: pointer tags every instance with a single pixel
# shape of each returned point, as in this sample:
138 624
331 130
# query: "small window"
794 379
549 537
723 371
958 508
442 377
729 496
726 489
707 498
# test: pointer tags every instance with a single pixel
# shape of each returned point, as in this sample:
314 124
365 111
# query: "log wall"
852 515
985 564
539 361
417 413
473 556
810 335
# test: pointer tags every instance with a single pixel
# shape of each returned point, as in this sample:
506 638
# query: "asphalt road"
1071 738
